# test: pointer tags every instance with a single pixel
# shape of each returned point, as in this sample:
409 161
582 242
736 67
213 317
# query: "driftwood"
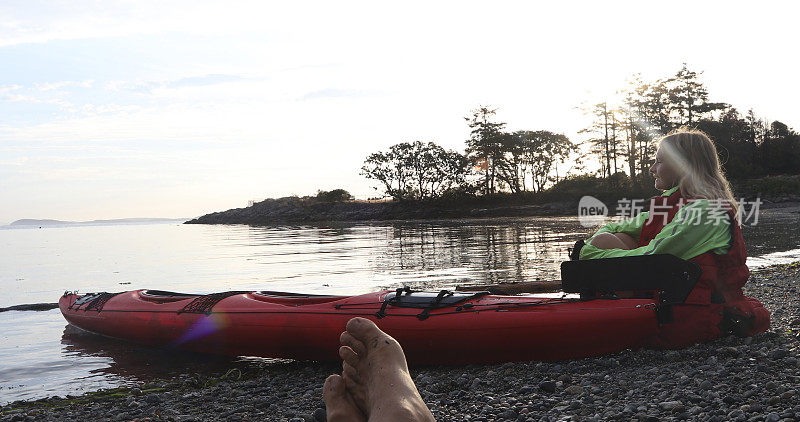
31 307
515 288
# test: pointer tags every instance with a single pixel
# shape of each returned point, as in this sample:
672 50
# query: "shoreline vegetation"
506 173
559 200
748 379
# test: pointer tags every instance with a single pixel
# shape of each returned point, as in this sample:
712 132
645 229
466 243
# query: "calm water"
41 356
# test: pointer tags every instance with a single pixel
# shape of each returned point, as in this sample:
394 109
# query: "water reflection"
118 362
449 253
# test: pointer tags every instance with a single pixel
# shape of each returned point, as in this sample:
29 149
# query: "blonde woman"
697 219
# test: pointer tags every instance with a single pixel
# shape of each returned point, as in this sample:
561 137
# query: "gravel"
738 379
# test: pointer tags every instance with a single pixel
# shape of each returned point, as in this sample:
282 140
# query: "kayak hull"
484 329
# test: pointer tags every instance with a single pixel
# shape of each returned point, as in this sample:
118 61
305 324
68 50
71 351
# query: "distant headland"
49 222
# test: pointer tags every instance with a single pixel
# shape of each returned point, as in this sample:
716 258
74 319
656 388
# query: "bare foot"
378 378
339 404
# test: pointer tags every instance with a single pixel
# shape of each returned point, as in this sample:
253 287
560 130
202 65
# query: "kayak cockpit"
295 299
161 296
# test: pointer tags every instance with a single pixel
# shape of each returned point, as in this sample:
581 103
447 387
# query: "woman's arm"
680 237
630 226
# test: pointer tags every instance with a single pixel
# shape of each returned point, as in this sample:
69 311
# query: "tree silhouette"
486 143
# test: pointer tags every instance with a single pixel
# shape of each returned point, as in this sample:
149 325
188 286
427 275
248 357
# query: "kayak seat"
673 277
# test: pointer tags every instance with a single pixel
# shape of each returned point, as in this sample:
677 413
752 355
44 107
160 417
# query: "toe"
363 330
349 356
348 372
339 405
347 339
334 386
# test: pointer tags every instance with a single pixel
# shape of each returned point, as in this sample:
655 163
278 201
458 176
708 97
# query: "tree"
780 150
603 144
416 170
486 144
689 98
510 170
732 136
542 151
336 195
388 169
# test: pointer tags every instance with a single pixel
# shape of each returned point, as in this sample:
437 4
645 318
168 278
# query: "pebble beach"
741 379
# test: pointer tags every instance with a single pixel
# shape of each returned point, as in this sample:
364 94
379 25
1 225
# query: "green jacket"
681 237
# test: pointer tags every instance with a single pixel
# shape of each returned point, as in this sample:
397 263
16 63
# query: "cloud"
9 88
51 86
20 98
21 161
148 86
334 93
203 80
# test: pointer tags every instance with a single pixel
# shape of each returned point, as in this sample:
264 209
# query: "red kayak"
439 327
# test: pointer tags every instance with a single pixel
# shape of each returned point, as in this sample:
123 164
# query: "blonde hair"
694 157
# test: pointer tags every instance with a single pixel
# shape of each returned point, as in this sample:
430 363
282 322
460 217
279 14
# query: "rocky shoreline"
309 210
299 210
743 379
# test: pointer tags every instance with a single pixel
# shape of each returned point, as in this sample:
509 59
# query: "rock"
729 351
735 414
731 399
153 398
672 406
574 390
778 354
508 414
319 415
772 417
548 386
787 395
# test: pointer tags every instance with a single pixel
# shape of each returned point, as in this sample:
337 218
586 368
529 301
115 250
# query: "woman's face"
666 177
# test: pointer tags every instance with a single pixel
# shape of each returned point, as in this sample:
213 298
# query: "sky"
116 109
